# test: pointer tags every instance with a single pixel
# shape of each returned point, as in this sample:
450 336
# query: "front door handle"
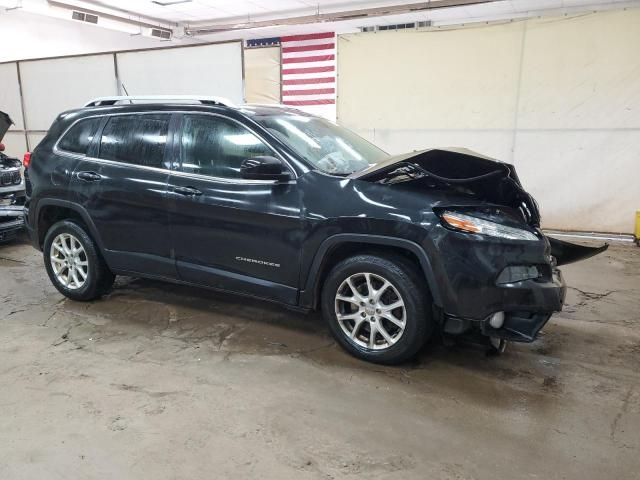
89 176
187 191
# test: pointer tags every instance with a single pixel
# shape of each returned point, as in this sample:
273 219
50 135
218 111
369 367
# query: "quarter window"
135 139
79 137
217 147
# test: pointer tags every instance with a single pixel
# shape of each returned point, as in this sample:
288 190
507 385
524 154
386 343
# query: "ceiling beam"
208 26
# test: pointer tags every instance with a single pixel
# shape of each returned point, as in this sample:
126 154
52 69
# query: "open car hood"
471 173
5 123
6 162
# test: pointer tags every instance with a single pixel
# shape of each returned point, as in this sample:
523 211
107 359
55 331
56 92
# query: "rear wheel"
377 308
74 263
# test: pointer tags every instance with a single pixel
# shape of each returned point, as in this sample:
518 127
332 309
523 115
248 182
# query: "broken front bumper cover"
11 220
9 229
527 307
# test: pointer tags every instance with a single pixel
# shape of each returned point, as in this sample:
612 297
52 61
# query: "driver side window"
214 146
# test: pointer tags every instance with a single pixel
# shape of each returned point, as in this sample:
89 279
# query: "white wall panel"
581 73
460 79
15 144
202 70
10 94
262 75
582 181
35 139
55 85
495 143
560 98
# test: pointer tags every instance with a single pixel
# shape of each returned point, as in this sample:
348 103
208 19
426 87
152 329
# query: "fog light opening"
497 320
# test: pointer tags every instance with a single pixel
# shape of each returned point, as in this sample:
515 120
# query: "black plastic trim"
46 202
310 295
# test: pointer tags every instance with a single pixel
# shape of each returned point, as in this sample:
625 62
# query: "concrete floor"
166 382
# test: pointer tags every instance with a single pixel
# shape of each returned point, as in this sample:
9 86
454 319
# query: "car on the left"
12 194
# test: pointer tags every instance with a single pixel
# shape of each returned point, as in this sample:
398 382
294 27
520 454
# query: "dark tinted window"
136 139
78 138
215 146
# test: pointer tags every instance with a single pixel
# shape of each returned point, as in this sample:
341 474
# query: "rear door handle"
187 191
89 176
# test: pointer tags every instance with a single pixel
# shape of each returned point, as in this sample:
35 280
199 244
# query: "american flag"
309 72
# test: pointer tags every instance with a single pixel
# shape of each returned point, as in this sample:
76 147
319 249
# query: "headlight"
467 223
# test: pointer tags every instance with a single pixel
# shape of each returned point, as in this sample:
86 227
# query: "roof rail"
203 99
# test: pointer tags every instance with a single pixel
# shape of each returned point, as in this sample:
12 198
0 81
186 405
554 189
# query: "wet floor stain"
576 381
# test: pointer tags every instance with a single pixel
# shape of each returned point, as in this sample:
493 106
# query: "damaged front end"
496 270
12 189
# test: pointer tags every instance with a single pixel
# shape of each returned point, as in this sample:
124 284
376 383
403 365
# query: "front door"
123 186
228 232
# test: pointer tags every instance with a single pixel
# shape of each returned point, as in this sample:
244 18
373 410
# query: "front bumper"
11 221
523 325
527 307
468 269
11 211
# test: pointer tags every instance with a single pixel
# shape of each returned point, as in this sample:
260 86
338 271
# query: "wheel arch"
337 247
52 210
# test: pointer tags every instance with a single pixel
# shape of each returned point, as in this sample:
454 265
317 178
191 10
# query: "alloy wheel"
370 311
69 261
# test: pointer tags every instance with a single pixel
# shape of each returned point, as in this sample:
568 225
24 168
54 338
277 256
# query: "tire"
70 237
413 320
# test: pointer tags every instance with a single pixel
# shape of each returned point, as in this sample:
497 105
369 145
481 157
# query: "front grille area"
10 178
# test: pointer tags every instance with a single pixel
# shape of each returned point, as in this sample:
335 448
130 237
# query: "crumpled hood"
427 156
463 170
476 174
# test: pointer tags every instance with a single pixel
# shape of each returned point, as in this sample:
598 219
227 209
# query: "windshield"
327 146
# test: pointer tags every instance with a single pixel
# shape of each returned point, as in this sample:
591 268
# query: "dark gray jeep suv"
273 203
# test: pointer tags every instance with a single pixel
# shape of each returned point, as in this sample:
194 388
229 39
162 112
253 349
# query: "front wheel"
377 308
74 264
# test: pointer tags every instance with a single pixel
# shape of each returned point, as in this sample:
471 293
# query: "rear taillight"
1 147
26 160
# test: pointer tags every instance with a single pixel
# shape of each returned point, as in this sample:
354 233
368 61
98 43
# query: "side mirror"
264 168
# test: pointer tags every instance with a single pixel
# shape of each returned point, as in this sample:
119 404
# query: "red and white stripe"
309 72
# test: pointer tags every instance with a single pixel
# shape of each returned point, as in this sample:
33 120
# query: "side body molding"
309 296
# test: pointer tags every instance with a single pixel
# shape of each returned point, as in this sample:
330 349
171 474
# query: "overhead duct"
203 29
105 14
84 17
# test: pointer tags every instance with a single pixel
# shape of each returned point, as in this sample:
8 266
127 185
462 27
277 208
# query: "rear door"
122 184
228 232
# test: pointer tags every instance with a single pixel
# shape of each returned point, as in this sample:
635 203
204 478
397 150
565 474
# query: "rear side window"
216 147
135 139
78 138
